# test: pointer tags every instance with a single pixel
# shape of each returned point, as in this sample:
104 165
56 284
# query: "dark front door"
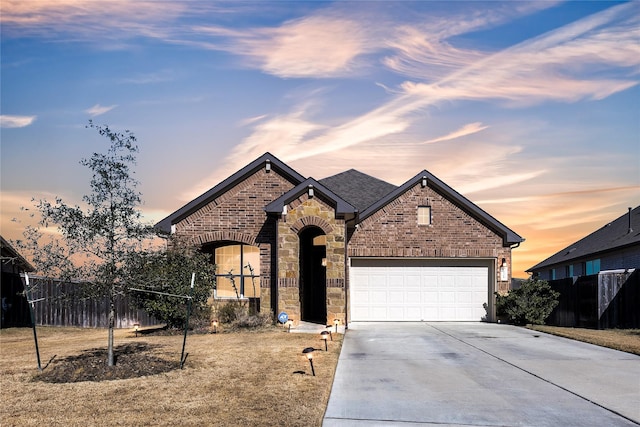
313 278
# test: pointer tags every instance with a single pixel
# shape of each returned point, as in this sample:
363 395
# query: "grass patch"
627 340
243 378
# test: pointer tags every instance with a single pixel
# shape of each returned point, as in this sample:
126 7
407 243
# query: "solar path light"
329 330
289 323
136 328
309 352
214 325
324 335
336 321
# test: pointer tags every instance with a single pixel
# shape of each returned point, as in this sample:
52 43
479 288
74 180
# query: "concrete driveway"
479 374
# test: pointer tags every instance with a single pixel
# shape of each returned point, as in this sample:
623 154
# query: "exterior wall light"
424 181
504 271
324 335
267 166
309 353
310 191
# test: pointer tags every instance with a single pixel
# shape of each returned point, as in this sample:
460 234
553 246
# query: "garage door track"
479 374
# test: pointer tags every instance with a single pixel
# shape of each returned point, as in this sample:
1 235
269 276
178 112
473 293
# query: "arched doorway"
313 277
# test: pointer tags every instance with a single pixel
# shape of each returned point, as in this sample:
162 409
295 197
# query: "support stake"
186 323
33 317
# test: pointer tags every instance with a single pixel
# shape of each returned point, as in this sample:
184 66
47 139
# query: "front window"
569 270
237 271
592 267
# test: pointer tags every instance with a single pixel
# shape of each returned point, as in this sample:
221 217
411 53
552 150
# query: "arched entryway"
313 277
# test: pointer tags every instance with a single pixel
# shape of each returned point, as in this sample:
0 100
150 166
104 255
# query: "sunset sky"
530 110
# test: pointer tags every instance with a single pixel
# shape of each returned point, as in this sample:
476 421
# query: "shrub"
168 272
236 315
532 302
228 313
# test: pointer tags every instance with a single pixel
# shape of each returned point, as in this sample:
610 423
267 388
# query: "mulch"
131 361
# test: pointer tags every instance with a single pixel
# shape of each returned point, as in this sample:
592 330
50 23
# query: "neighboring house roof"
357 188
509 237
341 206
9 254
191 207
614 235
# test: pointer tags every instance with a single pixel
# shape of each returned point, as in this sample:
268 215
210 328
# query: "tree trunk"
112 321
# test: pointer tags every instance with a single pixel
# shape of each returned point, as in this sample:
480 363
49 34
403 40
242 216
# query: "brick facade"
238 216
236 211
393 232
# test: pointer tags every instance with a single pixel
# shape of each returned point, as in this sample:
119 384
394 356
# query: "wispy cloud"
251 120
466 130
9 121
98 110
553 66
88 20
323 45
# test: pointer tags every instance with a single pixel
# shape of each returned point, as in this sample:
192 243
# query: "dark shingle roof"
357 188
612 236
341 206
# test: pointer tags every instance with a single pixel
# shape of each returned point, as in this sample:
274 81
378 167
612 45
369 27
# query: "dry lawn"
231 379
619 339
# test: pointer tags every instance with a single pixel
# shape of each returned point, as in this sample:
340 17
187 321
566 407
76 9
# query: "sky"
531 110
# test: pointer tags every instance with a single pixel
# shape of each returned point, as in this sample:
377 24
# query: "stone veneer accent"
393 231
306 212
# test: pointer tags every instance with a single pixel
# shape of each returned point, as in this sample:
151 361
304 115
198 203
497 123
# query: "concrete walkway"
479 374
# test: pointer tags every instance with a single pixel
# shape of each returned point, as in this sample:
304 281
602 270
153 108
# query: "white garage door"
417 293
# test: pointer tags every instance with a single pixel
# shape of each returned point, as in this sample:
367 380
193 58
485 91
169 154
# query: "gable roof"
9 254
509 237
357 188
614 235
341 206
191 207
351 192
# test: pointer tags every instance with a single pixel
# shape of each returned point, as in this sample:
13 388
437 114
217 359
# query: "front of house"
348 247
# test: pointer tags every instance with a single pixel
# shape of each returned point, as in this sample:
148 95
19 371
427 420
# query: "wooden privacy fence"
601 301
63 304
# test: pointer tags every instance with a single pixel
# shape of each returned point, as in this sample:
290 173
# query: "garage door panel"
410 293
395 297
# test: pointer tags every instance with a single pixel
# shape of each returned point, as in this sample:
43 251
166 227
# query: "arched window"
237 271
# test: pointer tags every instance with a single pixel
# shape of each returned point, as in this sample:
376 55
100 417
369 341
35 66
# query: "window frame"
421 216
244 278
